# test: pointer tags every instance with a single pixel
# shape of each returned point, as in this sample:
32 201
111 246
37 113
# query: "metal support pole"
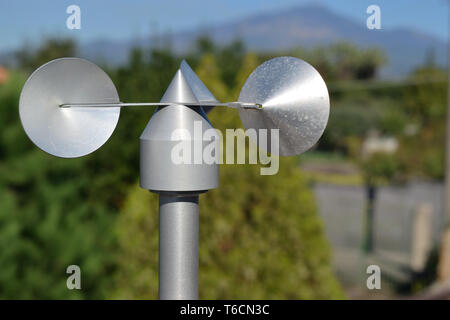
178 246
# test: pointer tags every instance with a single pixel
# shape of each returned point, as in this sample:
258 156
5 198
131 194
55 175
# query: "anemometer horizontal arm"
238 105
285 94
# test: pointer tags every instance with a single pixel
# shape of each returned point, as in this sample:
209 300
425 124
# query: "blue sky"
28 21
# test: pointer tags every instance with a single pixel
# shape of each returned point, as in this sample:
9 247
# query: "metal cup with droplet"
294 100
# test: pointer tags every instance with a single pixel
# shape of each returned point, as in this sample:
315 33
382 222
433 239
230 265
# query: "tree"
58 212
344 61
47 220
249 63
30 59
377 168
229 61
422 151
208 70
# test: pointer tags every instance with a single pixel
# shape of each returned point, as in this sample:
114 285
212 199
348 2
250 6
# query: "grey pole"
178 185
178 246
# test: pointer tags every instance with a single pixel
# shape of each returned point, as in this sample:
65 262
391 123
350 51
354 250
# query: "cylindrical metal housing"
178 246
174 134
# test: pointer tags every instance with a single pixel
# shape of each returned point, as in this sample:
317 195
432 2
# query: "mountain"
304 26
313 25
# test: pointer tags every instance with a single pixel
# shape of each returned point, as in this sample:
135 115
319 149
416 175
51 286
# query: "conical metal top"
198 87
201 92
179 91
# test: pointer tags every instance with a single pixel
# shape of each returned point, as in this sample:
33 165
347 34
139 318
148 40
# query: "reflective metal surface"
159 172
294 100
178 247
179 91
232 104
201 92
68 132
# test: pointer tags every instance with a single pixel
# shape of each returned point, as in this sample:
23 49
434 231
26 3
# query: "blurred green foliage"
344 61
422 150
46 221
380 168
30 58
412 111
260 236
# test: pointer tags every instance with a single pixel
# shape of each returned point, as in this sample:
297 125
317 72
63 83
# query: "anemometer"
69 108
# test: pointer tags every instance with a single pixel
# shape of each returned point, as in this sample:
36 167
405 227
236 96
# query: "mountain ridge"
304 26
308 26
